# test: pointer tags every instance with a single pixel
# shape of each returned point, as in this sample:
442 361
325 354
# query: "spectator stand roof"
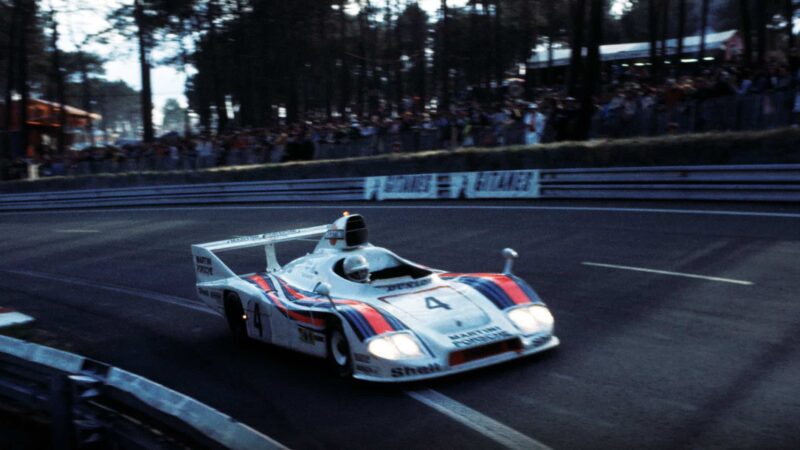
45 113
723 41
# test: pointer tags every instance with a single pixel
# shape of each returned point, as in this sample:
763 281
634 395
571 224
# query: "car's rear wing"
208 266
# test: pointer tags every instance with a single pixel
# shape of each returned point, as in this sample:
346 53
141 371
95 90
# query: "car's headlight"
395 346
532 318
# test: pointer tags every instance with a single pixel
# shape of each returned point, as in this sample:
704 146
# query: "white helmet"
356 268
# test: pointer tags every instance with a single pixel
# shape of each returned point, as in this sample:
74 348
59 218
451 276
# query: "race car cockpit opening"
384 265
401 270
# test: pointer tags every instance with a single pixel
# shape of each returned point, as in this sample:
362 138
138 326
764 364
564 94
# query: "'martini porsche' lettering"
481 336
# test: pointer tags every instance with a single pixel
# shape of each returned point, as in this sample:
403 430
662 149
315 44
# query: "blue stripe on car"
489 290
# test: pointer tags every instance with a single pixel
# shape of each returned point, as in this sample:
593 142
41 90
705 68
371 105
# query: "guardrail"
769 182
88 403
333 189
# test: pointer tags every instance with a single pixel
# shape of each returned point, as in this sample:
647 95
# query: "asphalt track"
658 350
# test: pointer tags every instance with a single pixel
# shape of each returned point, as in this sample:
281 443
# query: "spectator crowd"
724 97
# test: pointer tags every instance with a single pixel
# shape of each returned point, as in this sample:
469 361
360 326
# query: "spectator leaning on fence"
534 124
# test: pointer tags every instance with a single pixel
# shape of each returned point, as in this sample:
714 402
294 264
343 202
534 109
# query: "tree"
24 62
143 36
664 31
173 116
363 32
747 34
576 57
528 41
703 28
788 12
11 64
344 66
117 102
413 22
552 31
141 21
58 81
443 57
591 80
681 32
25 48
652 21
761 30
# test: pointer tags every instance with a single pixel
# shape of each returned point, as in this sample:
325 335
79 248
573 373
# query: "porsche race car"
401 322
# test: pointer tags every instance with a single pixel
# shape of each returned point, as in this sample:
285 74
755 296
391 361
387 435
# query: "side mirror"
323 289
510 255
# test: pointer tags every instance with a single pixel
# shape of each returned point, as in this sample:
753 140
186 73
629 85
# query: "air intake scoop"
346 233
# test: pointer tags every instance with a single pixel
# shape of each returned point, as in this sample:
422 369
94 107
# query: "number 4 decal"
433 303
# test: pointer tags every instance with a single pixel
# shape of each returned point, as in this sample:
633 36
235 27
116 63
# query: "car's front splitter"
404 374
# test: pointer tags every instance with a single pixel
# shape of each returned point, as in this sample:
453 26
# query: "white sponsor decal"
400 187
495 184
261 237
481 336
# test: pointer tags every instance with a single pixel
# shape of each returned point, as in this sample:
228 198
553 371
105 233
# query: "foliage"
173 116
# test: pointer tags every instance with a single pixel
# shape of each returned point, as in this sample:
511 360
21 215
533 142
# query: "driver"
356 269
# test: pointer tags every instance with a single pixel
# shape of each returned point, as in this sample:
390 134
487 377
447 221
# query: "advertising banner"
495 184
401 187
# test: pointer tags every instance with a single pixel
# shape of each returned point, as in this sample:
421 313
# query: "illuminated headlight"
395 346
532 319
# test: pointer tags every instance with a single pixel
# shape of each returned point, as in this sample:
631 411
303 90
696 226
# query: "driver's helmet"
356 268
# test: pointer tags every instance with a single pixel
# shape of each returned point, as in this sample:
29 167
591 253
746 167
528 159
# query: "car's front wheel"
339 355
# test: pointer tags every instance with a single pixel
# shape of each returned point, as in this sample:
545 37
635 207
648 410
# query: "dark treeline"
337 57
33 66
311 55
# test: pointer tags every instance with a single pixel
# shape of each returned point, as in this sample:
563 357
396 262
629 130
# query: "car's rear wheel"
237 320
339 355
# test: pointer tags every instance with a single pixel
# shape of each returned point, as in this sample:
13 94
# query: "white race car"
374 315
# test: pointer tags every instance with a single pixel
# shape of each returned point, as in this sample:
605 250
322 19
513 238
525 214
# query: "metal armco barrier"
333 189
88 403
769 182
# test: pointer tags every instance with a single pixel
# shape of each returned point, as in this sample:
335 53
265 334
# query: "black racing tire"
340 357
235 315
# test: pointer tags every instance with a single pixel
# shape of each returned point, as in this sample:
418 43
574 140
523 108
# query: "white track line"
164 298
76 231
494 430
664 272
351 207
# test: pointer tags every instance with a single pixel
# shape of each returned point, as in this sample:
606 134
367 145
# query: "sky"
89 17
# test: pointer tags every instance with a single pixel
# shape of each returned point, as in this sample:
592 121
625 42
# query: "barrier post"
63 433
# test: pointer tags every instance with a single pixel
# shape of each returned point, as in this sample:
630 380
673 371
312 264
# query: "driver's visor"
360 274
